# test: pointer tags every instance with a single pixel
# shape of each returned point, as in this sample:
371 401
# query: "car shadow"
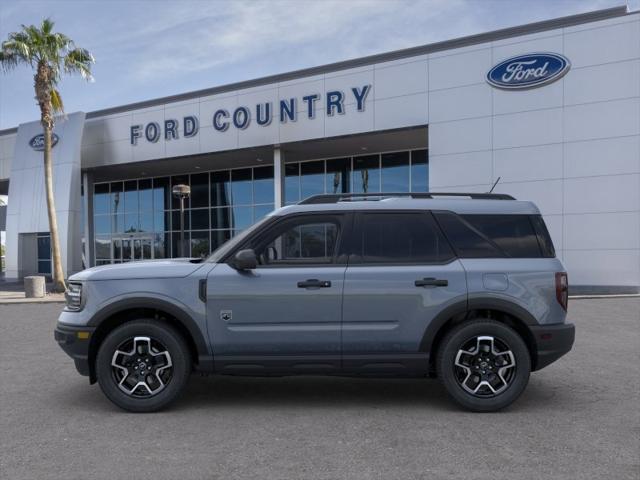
312 391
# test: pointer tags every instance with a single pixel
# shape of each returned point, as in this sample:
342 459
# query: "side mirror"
245 260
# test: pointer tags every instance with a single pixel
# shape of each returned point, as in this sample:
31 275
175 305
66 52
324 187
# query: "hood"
175 268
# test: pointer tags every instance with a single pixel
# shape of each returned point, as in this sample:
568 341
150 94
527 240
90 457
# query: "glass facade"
140 219
406 171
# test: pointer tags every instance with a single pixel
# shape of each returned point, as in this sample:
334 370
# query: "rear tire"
143 365
484 365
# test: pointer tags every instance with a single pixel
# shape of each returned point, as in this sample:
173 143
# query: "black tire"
161 335
453 377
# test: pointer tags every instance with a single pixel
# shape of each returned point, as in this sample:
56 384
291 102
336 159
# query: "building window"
404 171
140 219
44 252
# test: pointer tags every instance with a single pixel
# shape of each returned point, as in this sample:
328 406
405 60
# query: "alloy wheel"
141 367
485 366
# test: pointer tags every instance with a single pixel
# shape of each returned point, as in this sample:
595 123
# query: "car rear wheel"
484 365
143 365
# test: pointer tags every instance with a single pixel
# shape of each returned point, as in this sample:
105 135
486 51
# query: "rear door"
401 274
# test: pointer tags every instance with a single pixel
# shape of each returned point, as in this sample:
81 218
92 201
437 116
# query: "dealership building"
551 109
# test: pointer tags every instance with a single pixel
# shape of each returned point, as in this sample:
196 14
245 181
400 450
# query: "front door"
401 274
285 314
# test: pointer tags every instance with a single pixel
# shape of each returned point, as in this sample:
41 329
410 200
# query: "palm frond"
79 60
56 101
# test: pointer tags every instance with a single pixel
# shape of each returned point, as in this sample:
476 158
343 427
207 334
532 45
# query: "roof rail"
340 197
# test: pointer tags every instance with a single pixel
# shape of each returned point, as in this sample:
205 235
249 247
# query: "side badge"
226 315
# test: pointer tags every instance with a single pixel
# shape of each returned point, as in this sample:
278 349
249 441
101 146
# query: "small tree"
50 55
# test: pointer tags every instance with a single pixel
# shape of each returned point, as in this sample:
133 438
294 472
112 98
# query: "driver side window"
301 242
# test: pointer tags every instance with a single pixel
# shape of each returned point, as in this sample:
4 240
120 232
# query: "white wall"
7 145
397 99
573 146
27 209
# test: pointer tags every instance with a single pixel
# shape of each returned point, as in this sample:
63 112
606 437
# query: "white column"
87 201
278 177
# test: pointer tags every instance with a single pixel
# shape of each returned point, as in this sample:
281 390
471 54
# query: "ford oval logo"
37 142
528 71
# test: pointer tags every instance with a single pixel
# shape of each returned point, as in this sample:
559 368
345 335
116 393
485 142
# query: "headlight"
73 296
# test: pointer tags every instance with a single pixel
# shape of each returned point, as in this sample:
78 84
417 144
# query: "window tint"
401 238
307 241
492 236
514 234
544 239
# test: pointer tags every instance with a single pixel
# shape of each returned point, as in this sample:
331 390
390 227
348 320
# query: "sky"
146 49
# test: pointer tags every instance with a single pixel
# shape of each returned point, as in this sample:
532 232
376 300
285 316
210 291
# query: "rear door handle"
314 283
431 282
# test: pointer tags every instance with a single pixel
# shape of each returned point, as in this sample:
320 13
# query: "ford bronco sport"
465 287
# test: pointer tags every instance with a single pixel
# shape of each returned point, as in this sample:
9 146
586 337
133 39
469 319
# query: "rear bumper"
75 342
552 342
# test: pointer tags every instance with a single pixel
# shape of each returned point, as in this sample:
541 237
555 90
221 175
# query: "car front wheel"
484 365
143 365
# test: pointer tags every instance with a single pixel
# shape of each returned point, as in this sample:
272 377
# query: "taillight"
562 289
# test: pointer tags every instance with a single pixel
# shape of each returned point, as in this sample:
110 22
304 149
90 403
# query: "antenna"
494 185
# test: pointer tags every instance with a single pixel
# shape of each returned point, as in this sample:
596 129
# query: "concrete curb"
19 300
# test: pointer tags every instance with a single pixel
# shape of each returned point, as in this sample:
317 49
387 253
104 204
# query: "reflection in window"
220 189
395 172
263 185
200 219
200 190
337 177
161 194
241 191
419 171
311 179
145 195
199 244
292 183
314 241
366 174
101 199
242 217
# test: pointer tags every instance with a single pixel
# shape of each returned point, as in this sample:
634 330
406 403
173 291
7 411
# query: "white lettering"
517 71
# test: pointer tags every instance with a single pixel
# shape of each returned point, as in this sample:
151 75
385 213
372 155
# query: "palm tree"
50 55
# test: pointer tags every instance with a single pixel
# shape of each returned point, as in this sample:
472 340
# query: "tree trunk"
43 95
58 275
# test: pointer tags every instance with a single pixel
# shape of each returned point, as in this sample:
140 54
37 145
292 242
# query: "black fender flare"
464 307
184 318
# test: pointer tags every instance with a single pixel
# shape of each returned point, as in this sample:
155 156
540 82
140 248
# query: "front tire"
143 365
484 365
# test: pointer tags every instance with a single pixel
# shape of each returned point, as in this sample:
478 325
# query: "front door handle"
314 283
431 282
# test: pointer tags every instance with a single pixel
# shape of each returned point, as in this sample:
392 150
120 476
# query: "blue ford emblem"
528 71
37 142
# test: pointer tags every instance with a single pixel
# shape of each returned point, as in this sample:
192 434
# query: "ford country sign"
37 142
528 71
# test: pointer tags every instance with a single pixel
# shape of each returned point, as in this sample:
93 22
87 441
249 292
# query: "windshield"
230 244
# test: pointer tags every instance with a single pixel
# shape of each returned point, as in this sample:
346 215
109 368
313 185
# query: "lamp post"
182 192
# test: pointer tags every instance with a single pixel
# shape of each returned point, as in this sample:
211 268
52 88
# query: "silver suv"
465 287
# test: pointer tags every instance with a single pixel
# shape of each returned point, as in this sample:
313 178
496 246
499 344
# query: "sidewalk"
13 292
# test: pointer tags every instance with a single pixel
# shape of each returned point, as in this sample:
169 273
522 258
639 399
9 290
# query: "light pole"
182 192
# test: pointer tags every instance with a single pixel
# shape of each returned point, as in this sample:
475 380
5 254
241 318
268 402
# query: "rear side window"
491 236
400 238
544 239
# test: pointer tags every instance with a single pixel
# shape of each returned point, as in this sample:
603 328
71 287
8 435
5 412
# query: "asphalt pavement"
578 419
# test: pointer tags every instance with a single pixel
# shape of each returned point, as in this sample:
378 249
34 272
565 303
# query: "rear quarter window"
496 236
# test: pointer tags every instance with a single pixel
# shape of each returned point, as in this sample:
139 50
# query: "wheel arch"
503 311
126 310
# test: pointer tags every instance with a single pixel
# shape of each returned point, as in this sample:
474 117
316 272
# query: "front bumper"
552 342
75 342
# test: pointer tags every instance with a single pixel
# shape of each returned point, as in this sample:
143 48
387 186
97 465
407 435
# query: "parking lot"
578 419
